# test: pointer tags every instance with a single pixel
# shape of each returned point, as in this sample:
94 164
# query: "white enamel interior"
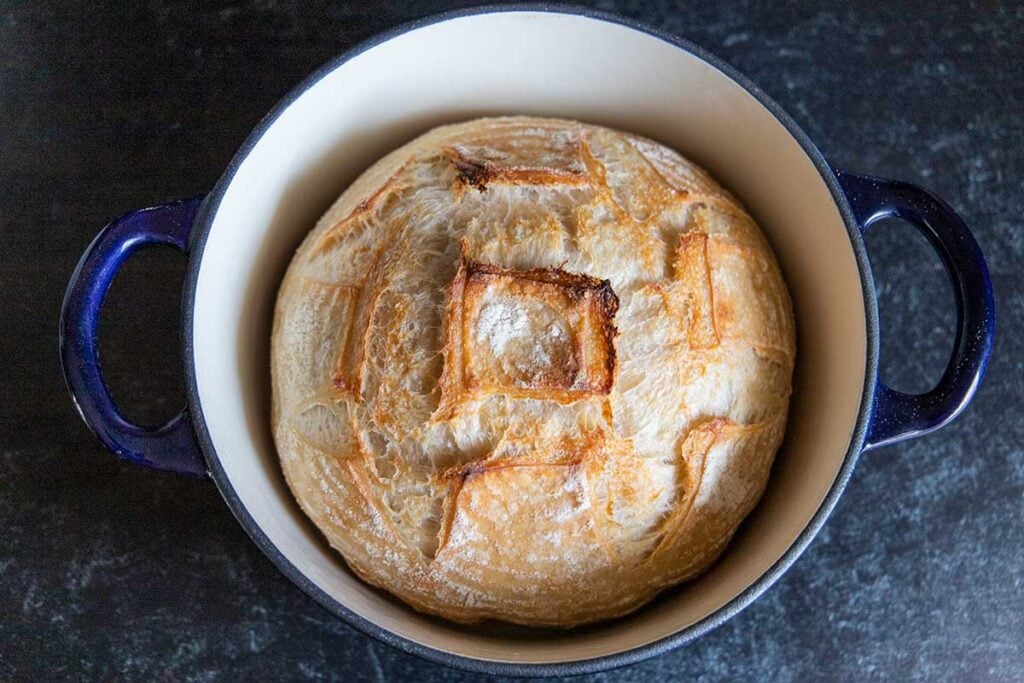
553 65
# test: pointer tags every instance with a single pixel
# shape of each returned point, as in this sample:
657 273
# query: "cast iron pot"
565 62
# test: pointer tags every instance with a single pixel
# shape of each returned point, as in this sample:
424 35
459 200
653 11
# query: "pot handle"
173 445
897 416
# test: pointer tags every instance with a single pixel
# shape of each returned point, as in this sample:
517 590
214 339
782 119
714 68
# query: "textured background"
108 571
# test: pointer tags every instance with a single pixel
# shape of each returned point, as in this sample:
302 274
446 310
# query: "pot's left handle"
173 445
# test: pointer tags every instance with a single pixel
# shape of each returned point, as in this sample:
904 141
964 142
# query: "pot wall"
571 66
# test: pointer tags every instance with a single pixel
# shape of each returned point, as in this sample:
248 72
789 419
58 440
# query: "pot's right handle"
895 415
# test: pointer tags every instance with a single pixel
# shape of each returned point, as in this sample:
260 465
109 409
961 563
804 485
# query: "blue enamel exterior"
885 415
896 416
171 446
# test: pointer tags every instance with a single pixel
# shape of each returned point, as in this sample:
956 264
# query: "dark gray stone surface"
108 571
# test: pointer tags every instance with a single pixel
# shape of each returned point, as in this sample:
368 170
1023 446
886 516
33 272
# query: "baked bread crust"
531 370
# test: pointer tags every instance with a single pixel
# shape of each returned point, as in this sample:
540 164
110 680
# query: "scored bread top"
531 370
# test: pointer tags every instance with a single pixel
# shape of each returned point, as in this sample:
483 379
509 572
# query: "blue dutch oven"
543 60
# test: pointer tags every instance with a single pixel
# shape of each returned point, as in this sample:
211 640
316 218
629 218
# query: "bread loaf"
531 370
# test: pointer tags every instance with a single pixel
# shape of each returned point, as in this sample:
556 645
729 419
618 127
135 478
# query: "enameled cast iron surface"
895 416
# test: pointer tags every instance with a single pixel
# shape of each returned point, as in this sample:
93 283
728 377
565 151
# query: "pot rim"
197 244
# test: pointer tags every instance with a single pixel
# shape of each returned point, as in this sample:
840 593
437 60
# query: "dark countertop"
108 571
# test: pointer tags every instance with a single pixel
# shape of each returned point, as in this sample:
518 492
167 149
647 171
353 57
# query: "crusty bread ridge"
531 370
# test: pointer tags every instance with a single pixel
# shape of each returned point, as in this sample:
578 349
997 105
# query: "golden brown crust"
693 276
480 173
531 370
